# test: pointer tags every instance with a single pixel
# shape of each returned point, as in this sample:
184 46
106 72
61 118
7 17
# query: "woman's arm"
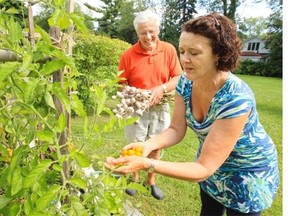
216 148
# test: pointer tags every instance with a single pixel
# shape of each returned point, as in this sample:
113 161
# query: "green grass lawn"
181 197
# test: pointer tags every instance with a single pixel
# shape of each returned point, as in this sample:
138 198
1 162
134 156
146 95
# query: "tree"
46 10
42 18
107 24
15 8
175 14
118 16
274 40
251 27
274 4
228 8
125 25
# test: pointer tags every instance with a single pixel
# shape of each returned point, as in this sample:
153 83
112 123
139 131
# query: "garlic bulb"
134 100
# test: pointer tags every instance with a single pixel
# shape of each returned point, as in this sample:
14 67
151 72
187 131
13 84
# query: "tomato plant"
39 175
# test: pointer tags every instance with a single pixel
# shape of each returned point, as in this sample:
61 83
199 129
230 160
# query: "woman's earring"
217 63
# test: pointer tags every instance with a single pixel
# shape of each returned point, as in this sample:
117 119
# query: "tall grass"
182 197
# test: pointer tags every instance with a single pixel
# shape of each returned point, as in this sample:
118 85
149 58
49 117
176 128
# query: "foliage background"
96 58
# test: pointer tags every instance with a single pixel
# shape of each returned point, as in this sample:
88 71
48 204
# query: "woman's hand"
128 164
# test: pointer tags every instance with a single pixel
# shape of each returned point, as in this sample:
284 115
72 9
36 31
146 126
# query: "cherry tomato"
131 152
138 151
124 153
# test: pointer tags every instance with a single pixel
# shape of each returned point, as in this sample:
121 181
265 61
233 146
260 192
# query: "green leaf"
78 207
59 18
79 22
78 182
47 198
77 106
62 96
11 11
52 67
18 153
44 35
57 167
137 186
28 206
7 68
27 60
15 29
61 123
81 159
52 21
15 208
31 85
49 99
64 22
4 152
59 3
4 201
36 173
17 181
110 125
45 136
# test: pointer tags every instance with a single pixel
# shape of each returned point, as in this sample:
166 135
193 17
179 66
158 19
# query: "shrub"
96 58
250 67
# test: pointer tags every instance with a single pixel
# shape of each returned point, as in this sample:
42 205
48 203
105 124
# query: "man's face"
148 35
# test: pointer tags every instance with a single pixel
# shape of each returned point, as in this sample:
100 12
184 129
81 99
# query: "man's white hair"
144 17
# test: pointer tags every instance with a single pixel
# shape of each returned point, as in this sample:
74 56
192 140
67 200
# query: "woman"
236 164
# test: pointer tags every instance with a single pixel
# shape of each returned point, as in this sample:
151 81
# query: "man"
153 65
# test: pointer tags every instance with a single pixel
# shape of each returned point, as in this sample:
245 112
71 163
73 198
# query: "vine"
41 171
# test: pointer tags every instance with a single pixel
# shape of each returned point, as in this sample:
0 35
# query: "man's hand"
157 94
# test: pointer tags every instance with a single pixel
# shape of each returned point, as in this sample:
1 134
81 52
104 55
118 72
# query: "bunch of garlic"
134 100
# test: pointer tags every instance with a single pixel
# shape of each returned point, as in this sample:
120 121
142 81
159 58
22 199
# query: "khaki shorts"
154 121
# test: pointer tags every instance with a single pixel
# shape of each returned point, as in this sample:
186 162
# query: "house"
254 49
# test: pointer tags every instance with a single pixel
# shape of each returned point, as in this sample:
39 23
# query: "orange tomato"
138 151
131 152
124 153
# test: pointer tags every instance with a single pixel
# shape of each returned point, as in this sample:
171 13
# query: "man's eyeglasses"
145 34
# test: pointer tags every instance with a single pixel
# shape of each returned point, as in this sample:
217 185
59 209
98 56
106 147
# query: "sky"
250 9
247 9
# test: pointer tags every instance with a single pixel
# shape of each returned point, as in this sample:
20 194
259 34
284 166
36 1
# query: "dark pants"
210 207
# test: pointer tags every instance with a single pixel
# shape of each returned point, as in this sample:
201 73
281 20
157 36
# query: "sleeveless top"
248 180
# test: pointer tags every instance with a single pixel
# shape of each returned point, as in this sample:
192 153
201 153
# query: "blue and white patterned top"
249 178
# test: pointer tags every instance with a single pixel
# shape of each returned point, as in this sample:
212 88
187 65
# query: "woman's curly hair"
221 32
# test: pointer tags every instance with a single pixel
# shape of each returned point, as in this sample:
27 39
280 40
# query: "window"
253 46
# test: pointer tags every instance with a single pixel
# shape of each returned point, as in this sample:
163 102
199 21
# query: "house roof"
250 54
252 38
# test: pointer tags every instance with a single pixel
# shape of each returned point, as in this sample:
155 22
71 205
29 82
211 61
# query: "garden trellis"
55 33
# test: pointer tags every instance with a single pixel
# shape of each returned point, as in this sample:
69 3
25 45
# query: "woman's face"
148 35
196 56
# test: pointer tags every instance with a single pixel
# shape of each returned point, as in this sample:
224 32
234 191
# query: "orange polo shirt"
146 71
